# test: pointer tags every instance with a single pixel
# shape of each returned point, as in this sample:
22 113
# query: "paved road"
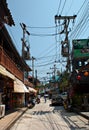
45 117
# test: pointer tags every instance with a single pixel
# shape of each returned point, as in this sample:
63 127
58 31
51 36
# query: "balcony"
6 62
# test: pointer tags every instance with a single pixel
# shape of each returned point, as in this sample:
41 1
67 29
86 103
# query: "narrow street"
46 117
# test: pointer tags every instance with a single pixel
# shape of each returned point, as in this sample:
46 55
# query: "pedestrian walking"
45 99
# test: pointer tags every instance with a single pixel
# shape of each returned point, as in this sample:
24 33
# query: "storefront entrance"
6 88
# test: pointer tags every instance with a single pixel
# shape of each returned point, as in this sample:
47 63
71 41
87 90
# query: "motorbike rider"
31 102
38 99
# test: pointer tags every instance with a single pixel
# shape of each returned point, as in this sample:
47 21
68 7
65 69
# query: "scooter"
30 104
38 100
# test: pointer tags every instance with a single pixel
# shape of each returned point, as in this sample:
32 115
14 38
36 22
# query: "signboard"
80 48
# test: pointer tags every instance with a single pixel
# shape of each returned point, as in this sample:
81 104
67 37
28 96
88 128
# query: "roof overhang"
5 14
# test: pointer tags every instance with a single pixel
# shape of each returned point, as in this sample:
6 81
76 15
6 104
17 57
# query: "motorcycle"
38 100
31 104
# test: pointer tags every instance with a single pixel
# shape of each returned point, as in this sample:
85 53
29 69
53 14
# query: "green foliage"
64 80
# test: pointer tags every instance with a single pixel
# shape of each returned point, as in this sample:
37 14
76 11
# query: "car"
56 101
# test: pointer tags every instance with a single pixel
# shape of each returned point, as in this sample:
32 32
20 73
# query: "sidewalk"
84 114
10 118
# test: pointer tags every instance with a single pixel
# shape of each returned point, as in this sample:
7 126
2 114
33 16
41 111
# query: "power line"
42 27
81 7
69 9
43 35
47 50
63 6
79 28
45 64
46 60
59 7
13 38
45 57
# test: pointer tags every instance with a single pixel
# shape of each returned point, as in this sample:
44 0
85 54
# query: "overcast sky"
38 15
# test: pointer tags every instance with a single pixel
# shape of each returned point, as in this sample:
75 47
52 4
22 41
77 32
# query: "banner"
80 48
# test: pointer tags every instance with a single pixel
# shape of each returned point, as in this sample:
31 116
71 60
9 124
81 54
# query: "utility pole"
65 30
36 77
36 74
33 68
25 54
23 26
54 69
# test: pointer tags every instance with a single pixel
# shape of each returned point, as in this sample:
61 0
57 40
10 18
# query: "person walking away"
45 98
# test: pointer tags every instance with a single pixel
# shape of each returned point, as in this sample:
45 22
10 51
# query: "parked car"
56 101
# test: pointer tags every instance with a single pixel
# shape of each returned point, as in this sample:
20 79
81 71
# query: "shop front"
19 94
13 92
6 88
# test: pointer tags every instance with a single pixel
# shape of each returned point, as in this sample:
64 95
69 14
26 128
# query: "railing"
6 62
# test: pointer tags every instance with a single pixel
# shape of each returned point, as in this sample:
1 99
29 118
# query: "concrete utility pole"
33 68
66 24
23 26
36 74
54 70
36 77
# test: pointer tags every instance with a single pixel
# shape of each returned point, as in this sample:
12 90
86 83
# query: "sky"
39 18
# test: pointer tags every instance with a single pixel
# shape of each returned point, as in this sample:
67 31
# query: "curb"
83 115
13 122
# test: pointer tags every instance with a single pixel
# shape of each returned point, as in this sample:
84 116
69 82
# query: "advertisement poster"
80 48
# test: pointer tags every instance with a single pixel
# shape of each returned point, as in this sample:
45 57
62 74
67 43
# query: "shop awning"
32 89
19 87
10 75
4 72
25 89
